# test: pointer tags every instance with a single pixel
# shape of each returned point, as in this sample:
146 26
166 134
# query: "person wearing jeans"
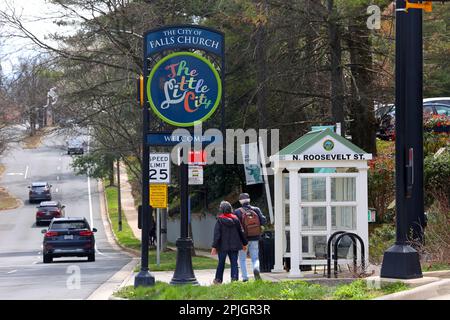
228 240
253 241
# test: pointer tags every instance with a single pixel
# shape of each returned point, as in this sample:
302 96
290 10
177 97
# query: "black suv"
68 237
40 191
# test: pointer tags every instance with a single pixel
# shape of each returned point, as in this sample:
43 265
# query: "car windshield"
48 208
39 188
69 225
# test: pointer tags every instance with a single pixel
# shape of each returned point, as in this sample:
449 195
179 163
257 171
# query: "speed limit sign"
159 168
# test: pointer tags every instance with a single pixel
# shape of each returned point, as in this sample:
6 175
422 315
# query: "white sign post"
159 168
158 237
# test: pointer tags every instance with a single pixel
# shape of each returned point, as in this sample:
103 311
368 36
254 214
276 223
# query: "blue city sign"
193 37
171 139
184 88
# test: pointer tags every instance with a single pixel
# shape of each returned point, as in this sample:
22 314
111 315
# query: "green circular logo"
184 88
328 145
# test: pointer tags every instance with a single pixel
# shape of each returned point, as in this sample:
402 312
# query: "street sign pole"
401 261
144 278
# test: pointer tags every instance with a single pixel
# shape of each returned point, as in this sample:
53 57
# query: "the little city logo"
328 145
184 88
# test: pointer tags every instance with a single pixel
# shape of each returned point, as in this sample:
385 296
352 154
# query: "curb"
120 278
114 283
104 210
428 291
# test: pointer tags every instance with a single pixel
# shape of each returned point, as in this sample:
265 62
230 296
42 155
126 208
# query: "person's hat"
225 207
244 196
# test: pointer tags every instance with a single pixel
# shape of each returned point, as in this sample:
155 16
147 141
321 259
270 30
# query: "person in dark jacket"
228 240
253 241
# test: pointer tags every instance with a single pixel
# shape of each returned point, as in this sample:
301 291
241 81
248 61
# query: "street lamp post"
184 273
401 261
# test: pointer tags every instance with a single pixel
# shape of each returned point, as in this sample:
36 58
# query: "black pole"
144 278
401 261
119 200
184 273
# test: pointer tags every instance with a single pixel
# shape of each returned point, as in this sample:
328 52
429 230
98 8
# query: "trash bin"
266 252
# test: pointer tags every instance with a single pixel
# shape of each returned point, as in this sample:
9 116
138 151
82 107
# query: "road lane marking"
58 168
57 177
12 271
91 216
26 172
14 174
56 190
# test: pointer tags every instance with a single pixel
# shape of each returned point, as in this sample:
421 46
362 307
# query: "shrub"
437 236
437 178
379 241
381 180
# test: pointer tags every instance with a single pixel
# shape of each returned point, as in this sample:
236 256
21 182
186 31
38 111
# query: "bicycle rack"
340 235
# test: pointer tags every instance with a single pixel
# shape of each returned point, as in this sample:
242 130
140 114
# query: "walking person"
251 219
228 240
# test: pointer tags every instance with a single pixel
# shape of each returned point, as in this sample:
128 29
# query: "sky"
37 16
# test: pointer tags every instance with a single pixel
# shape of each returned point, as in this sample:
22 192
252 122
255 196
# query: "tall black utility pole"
144 278
401 261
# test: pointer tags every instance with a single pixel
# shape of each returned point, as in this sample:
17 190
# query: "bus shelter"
320 188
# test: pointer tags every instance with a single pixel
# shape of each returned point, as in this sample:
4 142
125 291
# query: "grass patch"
32 142
259 290
168 262
439 266
127 239
7 201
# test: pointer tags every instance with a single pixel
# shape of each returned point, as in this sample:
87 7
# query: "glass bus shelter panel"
313 189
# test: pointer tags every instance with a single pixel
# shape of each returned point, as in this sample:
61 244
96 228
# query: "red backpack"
250 223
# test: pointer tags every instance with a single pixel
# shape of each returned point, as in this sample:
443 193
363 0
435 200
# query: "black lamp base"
184 273
144 279
401 261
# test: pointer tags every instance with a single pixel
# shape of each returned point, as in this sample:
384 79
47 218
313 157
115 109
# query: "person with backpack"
251 219
228 240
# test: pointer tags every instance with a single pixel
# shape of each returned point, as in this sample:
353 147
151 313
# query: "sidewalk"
127 200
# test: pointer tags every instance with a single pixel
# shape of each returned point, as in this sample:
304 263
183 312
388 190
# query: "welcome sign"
175 37
184 88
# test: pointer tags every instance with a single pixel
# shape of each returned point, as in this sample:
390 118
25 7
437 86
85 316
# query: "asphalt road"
23 275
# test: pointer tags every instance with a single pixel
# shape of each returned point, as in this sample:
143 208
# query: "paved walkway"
127 200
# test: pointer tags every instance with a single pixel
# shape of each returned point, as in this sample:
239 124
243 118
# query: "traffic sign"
197 157
159 170
158 195
195 175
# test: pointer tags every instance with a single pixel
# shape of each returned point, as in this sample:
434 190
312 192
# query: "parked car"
47 210
40 191
68 237
385 115
75 146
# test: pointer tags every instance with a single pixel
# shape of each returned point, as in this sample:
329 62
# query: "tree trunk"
363 126
261 65
337 77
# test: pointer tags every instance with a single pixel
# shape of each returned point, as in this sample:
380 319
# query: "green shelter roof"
303 143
